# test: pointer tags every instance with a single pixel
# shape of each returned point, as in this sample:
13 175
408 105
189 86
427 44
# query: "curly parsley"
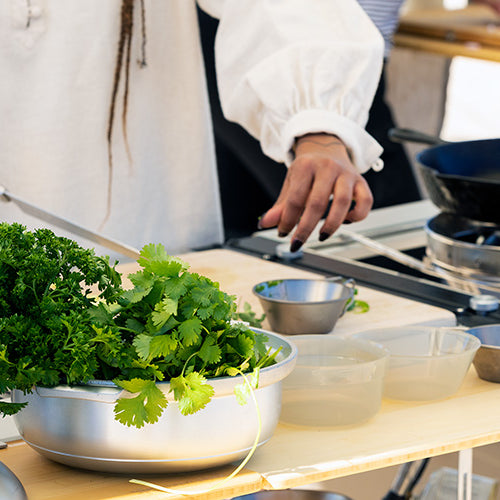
46 333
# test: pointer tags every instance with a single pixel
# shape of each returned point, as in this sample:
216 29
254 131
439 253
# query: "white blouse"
285 68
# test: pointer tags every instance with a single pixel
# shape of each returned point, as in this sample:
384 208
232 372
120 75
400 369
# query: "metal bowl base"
123 466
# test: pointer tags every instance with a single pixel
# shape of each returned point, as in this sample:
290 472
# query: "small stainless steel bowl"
303 306
487 358
76 425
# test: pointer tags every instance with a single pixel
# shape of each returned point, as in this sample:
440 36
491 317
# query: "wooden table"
400 432
471 32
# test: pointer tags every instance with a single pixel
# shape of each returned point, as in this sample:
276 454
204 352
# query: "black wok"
462 178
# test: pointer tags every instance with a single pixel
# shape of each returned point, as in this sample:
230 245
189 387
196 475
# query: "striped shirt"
385 16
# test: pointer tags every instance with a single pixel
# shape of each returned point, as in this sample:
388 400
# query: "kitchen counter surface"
294 457
470 32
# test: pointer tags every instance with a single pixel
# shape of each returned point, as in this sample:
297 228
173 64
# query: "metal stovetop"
400 227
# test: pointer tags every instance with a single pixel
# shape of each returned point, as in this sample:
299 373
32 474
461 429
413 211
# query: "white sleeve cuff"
364 150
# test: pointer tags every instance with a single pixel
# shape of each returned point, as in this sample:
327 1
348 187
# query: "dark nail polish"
347 222
323 236
282 234
296 244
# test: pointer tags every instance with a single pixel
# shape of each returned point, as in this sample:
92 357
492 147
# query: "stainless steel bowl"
302 306
10 486
487 358
76 425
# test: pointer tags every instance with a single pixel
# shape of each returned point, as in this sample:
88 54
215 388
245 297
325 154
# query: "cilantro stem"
125 329
186 363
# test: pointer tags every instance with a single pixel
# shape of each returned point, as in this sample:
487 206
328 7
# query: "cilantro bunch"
172 326
180 326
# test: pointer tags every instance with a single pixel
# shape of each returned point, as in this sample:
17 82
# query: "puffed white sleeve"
286 68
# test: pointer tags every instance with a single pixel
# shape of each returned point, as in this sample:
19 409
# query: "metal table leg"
465 474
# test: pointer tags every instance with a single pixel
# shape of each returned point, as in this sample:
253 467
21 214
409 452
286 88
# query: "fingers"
301 180
363 197
341 211
347 188
286 212
273 216
311 206
319 171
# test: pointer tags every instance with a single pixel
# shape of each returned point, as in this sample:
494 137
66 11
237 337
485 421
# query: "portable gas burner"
465 248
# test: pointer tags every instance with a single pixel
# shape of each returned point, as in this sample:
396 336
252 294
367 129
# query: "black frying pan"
462 178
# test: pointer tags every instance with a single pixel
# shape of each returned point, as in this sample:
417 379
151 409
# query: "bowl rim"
473 347
486 327
383 352
303 302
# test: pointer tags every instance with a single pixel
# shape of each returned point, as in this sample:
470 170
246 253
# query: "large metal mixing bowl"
303 306
77 426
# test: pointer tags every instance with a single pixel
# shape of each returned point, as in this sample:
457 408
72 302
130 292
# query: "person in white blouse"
395 184
262 178
105 116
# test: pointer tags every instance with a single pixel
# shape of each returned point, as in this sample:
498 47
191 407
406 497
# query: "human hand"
494 4
321 168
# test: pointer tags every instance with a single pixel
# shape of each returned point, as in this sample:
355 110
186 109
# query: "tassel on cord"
122 65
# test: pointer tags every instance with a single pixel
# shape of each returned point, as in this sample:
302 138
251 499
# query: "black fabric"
395 183
250 181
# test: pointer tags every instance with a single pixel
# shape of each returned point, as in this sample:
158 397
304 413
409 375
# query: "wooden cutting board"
237 273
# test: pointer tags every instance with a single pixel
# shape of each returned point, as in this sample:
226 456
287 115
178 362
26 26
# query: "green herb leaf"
11 408
135 295
142 345
146 407
192 392
154 259
209 352
249 316
162 345
357 306
163 310
360 307
189 331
